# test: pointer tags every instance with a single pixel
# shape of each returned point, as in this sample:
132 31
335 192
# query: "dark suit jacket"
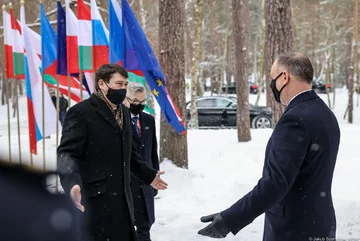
295 189
30 212
146 146
97 155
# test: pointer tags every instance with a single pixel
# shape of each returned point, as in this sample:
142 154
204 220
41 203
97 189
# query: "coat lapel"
104 111
126 119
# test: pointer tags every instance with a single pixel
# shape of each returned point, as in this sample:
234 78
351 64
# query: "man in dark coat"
97 156
30 212
63 104
144 138
295 188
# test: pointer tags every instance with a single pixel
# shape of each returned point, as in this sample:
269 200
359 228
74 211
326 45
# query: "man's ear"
100 83
285 77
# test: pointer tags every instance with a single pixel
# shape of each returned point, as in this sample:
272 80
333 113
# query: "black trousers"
108 219
141 221
143 233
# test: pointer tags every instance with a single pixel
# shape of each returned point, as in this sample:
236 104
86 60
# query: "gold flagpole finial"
10 5
22 2
4 7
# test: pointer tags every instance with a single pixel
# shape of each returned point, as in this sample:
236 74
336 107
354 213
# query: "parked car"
220 111
253 88
320 87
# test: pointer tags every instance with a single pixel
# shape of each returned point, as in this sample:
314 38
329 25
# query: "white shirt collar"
134 115
298 94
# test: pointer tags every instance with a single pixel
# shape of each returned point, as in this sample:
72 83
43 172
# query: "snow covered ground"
221 171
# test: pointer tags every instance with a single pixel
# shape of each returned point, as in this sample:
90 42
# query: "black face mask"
116 96
276 92
136 109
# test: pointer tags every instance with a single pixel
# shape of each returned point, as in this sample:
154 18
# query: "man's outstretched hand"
75 195
158 183
216 229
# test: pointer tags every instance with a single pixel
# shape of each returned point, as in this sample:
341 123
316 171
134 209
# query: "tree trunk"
334 82
262 50
327 77
278 39
195 64
356 63
172 59
240 25
228 62
353 64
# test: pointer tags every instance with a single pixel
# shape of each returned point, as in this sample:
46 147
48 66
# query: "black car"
220 111
320 87
253 88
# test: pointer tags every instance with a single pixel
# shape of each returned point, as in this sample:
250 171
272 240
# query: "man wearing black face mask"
144 138
96 157
294 191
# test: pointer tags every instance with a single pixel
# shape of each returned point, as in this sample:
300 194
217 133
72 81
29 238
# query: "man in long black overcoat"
96 157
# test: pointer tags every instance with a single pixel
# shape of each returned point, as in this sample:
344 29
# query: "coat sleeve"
141 169
289 145
71 148
154 151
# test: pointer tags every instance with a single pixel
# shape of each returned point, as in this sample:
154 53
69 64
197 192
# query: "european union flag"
138 53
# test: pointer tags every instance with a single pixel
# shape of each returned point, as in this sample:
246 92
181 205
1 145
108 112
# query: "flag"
72 49
116 33
48 44
34 86
141 60
8 55
61 66
116 50
17 48
100 38
85 37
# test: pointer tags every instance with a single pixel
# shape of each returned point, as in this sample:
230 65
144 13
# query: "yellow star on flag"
159 82
156 93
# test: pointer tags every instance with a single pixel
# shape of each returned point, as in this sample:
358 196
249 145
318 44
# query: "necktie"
135 123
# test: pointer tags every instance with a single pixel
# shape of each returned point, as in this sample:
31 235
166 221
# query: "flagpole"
69 90
17 106
18 118
81 85
7 99
57 127
8 112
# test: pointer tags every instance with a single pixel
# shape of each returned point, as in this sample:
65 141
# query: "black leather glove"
216 229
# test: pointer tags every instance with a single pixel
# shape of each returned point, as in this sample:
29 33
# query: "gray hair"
297 64
134 87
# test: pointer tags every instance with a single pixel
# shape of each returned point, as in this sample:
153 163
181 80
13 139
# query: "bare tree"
353 64
240 17
195 64
172 59
278 40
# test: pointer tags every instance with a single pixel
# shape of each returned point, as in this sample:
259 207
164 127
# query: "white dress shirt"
298 94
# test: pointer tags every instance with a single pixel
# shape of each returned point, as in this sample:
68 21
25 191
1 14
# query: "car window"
205 103
222 103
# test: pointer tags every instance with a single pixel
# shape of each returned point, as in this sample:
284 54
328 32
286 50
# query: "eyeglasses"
136 102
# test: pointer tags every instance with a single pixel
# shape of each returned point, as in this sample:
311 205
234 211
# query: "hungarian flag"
85 37
17 47
8 54
72 33
100 38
